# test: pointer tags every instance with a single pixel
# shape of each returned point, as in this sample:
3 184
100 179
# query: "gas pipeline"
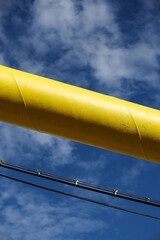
78 114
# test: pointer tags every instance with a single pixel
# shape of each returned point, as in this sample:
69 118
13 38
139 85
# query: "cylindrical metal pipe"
81 115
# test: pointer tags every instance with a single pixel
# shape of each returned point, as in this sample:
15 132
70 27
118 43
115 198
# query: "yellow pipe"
81 115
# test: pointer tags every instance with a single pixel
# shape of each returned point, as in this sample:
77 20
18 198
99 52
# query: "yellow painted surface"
81 115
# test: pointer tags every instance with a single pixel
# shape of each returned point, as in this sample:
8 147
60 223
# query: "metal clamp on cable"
147 200
76 182
39 172
115 191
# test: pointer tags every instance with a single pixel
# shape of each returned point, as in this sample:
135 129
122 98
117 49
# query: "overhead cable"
79 184
79 197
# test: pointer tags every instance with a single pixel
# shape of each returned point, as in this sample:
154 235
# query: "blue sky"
111 47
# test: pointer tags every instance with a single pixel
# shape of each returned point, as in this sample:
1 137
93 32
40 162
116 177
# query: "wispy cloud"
131 174
23 145
30 215
62 38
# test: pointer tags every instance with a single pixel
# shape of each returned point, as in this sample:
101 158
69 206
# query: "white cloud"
20 145
2 61
130 175
32 216
139 62
62 36
93 37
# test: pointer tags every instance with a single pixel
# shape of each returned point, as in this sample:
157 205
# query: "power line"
79 197
79 184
